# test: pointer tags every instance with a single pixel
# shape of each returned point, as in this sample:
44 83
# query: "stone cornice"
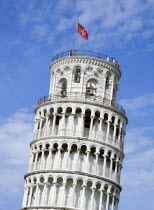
87 60
75 173
78 139
48 207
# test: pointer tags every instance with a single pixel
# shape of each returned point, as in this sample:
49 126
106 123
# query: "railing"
85 53
43 99
83 97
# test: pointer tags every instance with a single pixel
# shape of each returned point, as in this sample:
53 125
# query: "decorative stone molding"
86 60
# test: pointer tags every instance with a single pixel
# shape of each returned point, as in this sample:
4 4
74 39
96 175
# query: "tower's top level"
88 54
85 76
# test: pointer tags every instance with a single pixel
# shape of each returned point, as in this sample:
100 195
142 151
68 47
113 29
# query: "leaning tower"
77 146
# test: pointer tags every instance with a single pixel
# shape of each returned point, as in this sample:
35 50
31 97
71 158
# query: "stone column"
96 161
92 198
50 123
63 194
91 126
32 166
111 166
30 196
100 128
122 139
83 196
35 162
37 131
100 199
114 133
58 158
77 161
42 160
39 134
107 201
43 128
35 128
123 135
49 159
108 130
87 161
53 124
46 126
120 168
120 130
25 196
116 203
44 194
104 164
68 159
73 195
45 161
53 188
116 167
113 199
82 124
62 124
36 194
72 129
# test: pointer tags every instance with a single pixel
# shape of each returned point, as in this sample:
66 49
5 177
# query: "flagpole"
77 35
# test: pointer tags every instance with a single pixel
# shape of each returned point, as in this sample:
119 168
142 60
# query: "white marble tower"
77 147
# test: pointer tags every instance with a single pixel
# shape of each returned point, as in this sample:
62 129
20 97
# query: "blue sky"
32 32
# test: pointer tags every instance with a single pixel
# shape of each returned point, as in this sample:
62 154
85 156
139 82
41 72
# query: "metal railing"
83 97
87 54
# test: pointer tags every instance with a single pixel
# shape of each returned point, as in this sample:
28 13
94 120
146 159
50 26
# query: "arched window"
77 75
63 87
91 87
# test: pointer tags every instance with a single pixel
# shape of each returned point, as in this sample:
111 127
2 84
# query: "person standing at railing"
107 58
70 53
114 60
75 52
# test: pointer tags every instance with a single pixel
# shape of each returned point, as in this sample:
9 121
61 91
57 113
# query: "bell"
78 79
63 93
91 92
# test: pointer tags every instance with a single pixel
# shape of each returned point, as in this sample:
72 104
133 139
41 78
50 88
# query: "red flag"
82 32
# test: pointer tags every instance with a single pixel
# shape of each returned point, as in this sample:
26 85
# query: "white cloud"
138 172
146 100
16 134
108 22
40 31
139 139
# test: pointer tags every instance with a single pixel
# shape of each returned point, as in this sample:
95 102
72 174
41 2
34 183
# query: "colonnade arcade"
82 122
85 157
74 192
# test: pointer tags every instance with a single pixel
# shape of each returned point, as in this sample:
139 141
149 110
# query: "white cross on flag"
82 32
